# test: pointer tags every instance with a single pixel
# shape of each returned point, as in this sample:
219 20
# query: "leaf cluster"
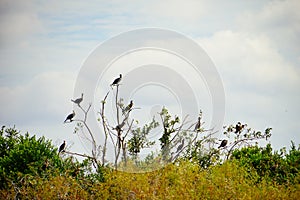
279 166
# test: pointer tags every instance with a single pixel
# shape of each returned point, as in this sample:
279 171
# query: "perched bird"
223 144
180 146
62 147
79 100
70 117
239 127
117 81
128 108
198 125
120 126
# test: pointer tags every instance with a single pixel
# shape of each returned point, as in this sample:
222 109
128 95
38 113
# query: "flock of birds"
238 129
77 101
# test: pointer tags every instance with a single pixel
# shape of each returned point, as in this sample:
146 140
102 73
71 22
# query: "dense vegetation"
31 168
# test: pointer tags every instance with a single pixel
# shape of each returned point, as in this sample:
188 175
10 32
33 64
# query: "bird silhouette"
79 100
128 108
239 127
70 117
117 81
223 144
198 125
180 146
62 147
120 126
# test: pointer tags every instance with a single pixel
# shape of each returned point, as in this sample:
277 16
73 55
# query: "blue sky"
254 45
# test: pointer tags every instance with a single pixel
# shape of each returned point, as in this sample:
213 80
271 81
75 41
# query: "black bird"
239 127
198 125
70 117
180 146
79 100
117 80
128 108
223 144
120 126
62 147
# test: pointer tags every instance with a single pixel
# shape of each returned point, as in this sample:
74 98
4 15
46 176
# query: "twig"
104 129
88 129
79 154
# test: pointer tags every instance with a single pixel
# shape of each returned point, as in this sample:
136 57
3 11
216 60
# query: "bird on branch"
117 81
128 108
70 117
198 125
79 100
223 144
239 127
180 146
62 147
120 126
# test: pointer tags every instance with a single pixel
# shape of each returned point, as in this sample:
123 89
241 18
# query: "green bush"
281 166
25 156
22 154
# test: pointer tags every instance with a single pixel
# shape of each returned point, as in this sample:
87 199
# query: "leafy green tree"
139 139
22 156
281 166
169 126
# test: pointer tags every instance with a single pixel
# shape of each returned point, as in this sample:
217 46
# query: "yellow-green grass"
183 180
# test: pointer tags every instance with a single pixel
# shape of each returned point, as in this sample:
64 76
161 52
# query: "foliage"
183 180
169 128
25 156
22 154
205 154
243 135
139 139
177 135
281 166
251 173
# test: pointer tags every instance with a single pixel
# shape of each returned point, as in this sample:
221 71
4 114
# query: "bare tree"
126 138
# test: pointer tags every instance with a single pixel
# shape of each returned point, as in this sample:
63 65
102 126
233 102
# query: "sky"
254 46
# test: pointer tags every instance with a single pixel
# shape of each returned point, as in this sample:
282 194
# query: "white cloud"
253 61
44 99
280 15
18 21
279 21
175 10
261 85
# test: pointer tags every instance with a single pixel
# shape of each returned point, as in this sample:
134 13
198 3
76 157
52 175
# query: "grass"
183 180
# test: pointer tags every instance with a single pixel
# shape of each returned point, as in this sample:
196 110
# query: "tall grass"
183 180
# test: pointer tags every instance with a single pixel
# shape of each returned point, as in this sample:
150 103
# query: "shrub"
23 154
281 166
